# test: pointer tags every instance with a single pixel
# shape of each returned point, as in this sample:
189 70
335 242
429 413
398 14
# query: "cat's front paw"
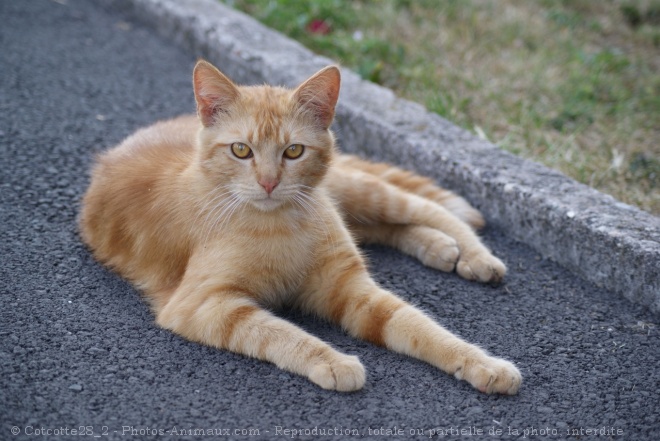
483 267
344 375
491 375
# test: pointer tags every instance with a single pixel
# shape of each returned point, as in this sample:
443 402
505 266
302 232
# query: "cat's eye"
241 151
294 151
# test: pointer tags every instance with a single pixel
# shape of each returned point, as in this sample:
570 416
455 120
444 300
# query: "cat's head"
264 144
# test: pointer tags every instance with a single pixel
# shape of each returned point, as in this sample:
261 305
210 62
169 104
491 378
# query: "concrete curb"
609 243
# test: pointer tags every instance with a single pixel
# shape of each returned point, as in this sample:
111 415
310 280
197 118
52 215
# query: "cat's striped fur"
214 239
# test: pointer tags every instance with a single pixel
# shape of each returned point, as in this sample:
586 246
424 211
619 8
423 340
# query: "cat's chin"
266 204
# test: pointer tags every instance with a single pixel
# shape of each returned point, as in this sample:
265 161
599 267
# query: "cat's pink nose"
269 184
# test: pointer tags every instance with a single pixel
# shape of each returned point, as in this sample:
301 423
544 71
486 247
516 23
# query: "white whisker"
224 218
211 200
224 207
307 200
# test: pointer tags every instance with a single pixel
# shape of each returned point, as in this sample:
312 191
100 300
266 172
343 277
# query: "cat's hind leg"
432 247
368 200
419 185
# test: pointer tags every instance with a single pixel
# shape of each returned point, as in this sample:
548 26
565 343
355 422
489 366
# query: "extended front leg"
341 290
225 315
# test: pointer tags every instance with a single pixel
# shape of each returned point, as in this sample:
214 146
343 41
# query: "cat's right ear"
214 92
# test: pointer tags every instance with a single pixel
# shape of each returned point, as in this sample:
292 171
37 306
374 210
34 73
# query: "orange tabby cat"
220 216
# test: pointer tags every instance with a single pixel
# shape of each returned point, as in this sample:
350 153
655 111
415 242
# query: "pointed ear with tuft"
214 92
319 95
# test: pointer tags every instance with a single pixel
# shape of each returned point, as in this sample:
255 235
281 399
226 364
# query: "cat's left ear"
319 95
214 92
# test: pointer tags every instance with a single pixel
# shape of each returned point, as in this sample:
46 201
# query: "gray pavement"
78 347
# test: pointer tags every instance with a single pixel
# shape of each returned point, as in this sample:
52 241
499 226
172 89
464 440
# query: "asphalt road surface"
79 350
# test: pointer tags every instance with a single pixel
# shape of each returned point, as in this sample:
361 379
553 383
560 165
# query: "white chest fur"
270 253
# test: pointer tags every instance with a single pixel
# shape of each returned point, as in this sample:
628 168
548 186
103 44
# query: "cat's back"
130 204
145 162
164 142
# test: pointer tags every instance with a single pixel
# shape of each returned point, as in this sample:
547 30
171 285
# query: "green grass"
573 84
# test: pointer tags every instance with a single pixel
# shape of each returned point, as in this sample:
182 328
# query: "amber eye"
294 151
241 151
